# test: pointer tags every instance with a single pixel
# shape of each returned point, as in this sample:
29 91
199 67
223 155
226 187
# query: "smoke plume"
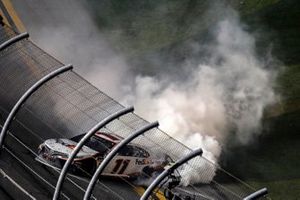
66 30
225 93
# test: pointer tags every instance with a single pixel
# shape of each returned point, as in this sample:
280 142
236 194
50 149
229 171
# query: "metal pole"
81 143
257 194
13 40
26 95
111 155
168 171
8 17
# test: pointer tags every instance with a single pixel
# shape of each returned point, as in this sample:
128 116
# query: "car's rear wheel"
87 167
147 171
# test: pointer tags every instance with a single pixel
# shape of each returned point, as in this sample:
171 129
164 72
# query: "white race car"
131 161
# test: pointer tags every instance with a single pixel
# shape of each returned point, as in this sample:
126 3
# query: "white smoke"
66 30
226 94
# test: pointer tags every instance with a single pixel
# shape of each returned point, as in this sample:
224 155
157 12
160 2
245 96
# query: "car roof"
109 136
112 137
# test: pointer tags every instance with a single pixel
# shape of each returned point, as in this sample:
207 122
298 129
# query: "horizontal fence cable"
169 171
129 124
56 170
80 144
33 172
112 153
16 184
26 95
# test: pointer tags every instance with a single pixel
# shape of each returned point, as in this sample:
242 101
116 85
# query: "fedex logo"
142 161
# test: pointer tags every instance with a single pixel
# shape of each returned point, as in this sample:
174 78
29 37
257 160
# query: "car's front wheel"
86 167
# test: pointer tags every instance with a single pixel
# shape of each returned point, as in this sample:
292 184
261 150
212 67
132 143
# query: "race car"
131 161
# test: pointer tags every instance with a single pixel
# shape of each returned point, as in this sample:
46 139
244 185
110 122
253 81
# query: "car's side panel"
130 162
126 165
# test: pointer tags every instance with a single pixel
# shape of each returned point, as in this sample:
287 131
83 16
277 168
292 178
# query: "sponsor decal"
143 161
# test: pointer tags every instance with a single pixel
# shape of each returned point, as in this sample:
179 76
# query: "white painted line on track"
83 190
58 170
32 171
16 184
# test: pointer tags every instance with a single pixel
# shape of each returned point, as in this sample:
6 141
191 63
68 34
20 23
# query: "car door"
129 161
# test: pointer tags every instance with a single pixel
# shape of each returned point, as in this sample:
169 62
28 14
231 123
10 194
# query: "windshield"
99 144
96 143
134 151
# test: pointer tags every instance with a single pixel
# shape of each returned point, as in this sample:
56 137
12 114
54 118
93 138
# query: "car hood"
66 146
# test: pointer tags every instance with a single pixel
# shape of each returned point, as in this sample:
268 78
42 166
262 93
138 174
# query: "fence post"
257 194
81 143
13 40
111 155
168 171
26 95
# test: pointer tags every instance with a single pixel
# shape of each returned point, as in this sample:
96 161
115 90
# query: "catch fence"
68 105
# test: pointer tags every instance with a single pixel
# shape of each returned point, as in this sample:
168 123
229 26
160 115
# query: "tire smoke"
225 93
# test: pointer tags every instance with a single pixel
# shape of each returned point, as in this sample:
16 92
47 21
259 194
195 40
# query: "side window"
142 152
125 151
77 138
98 144
133 151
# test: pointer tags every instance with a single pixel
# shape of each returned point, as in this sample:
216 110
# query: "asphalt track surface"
24 177
39 180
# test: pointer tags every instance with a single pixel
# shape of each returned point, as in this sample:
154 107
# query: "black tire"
147 171
88 166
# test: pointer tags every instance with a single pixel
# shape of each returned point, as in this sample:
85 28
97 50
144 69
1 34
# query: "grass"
281 21
249 6
139 27
289 83
272 160
281 190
